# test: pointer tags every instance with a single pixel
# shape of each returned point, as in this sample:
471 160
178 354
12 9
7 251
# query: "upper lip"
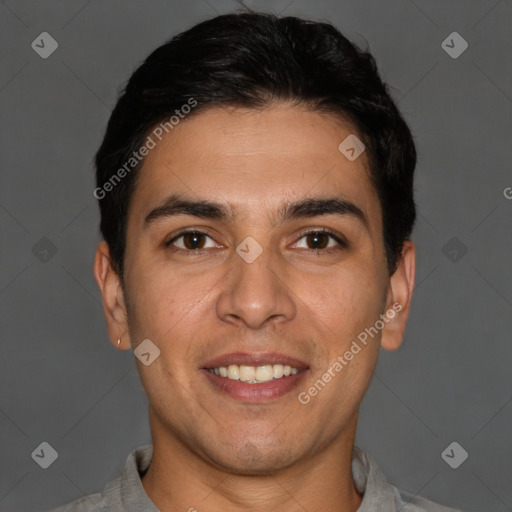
254 359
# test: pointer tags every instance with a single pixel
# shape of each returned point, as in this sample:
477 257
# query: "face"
283 265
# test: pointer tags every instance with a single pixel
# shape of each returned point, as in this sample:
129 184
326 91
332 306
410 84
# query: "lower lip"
254 393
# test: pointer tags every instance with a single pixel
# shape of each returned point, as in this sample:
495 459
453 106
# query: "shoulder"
125 489
408 502
380 494
90 503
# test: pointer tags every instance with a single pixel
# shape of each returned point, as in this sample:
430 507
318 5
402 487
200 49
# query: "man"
256 192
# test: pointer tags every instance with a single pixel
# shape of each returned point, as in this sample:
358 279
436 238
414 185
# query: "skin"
213 452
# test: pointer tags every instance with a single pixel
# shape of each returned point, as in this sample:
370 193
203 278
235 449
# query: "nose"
255 293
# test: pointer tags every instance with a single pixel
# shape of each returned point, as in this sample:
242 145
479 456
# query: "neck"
179 479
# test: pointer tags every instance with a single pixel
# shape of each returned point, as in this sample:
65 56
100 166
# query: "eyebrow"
304 208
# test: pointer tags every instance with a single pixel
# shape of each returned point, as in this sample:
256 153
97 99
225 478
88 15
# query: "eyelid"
338 237
185 231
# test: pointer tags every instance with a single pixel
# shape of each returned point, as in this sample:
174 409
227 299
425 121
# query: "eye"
322 239
190 241
319 240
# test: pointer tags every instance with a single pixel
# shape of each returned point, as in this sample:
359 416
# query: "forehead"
253 158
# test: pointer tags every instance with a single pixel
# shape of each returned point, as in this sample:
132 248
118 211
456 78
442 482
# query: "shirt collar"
127 493
378 494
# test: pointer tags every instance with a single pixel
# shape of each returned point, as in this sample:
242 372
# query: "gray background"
61 381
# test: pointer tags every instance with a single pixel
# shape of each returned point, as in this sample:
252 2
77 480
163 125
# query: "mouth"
255 377
254 374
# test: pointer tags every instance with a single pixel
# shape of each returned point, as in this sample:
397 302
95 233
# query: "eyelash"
342 244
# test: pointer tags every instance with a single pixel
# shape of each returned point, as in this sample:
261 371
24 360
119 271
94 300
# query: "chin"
252 460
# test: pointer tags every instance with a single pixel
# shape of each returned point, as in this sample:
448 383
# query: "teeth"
278 371
254 374
233 372
247 373
265 373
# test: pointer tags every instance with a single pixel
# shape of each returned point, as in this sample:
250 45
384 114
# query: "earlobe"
109 284
401 285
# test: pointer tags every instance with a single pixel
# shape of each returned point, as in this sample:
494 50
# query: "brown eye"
190 241
317 240
193 240
321 240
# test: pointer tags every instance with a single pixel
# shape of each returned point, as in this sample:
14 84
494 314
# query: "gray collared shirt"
126 493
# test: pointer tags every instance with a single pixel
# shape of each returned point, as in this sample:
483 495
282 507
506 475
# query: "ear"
111 289
398 302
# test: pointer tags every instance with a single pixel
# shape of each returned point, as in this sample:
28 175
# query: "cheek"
350 302
157 302
347 301
164 311
169 306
